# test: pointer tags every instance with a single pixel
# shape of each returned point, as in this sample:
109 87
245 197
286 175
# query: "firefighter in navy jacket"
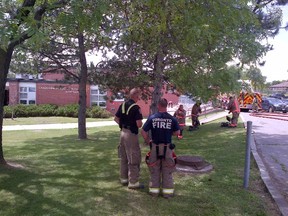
161 162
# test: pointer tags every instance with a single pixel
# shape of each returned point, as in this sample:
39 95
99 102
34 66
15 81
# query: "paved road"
270 149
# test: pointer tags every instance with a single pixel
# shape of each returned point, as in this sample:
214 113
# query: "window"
27 93
94 91
32 89
119 97
102 104
23 95
23 89
97 97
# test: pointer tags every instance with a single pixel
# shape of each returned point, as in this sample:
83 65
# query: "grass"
66 176
46 120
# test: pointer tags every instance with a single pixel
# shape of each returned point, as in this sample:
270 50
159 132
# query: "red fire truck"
246 97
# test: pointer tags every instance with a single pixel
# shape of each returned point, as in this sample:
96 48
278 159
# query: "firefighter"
180 115
129 118
161 162
233 107
196 109
255 103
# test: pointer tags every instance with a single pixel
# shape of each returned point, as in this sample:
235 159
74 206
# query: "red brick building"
52 89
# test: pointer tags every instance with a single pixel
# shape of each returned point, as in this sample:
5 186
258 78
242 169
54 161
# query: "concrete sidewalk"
57 126
214 116
211 117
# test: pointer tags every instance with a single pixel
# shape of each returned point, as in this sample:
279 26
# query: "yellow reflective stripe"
154 190
130 108
137 184
168 191
123 180
123 108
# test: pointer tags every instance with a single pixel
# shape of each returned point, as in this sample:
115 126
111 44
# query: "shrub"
70 110
8 112
47 109
98 112
28 111
21 110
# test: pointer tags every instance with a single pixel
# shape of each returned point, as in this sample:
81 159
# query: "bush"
70 110
28 111
98 112
21 110
8 112
47 109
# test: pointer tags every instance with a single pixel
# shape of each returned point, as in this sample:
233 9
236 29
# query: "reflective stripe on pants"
168 191
154 190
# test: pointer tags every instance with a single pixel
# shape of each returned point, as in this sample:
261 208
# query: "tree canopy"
187 43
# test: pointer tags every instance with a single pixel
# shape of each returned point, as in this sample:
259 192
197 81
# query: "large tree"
79 29
188 43
20 21
255 76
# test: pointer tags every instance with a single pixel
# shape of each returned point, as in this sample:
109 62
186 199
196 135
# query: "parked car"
279 96
271 104
285 109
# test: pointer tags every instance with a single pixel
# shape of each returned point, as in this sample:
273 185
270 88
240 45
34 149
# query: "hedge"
70 110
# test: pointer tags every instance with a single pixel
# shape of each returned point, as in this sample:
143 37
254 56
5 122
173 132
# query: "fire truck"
246 97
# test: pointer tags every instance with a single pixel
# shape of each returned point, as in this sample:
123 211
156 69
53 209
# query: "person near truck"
255 104
233 107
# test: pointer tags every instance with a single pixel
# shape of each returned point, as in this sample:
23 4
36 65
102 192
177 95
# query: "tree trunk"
5 59
158 71
82 134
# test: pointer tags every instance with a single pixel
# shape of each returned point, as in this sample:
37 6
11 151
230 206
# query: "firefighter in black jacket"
129 118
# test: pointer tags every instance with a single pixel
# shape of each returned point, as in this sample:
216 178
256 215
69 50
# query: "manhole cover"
188 163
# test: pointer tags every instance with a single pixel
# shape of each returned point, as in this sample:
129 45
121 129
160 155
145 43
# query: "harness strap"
164 151
129 108
157 151
154 163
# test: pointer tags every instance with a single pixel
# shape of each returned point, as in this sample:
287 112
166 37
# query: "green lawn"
66 176
46 120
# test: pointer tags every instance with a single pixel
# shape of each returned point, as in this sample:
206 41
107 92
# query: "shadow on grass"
29 193
65 175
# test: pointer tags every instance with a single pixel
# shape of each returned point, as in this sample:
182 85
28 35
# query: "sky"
276 66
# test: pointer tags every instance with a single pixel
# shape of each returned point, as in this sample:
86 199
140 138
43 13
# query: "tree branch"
38 15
